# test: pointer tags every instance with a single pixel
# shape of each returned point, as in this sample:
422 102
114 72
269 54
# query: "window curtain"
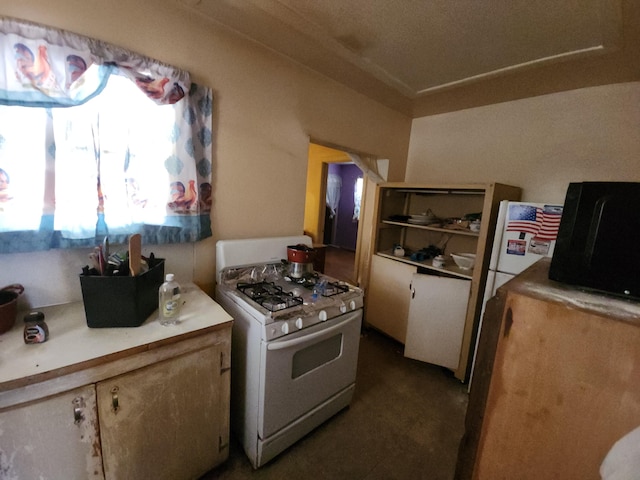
357 199
334 186
96 140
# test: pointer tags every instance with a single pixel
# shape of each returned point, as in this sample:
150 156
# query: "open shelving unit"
391 292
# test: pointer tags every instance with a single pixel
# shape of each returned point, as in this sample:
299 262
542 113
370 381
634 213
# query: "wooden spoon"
135 253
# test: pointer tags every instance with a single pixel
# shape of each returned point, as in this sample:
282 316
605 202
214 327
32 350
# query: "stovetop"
275 297
268 289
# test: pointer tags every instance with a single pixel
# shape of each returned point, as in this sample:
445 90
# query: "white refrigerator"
525 233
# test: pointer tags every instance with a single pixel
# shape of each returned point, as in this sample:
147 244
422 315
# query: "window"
131 154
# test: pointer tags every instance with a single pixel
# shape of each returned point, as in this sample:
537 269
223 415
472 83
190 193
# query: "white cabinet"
144 402
436 319
388 296
387 299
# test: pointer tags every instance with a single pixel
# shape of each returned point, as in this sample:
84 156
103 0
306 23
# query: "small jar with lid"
35 328
438 261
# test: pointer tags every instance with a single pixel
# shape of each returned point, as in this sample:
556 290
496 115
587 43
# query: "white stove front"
292 369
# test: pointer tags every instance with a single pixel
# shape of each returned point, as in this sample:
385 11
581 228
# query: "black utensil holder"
121 301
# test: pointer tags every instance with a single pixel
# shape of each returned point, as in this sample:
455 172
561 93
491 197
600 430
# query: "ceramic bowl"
465 261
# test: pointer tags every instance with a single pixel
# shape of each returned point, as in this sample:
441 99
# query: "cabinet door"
388 296
168 420
436 319
52 438
564 386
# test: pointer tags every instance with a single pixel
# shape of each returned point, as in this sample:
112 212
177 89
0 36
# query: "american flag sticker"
542 223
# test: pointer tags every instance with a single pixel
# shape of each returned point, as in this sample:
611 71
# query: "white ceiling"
402 51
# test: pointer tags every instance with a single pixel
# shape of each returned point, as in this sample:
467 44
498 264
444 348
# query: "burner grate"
269 295
334 288
322 286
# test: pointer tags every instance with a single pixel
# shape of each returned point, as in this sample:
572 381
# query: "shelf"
450 269
453 231
443 191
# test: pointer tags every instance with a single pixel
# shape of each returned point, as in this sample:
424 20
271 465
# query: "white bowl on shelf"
465 261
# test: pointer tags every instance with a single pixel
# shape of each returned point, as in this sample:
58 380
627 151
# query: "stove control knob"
285 328
299 323
352 304
322 315
343 308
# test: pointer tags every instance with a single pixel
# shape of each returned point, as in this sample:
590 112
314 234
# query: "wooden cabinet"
153 419
395 203
556 382
145 402
54 437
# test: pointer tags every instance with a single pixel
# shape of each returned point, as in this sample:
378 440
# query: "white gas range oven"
294 345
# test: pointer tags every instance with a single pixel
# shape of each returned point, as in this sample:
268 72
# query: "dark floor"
405 422
339 263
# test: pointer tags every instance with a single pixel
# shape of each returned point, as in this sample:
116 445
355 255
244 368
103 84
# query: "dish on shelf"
425 218
399 218
424 221
465 261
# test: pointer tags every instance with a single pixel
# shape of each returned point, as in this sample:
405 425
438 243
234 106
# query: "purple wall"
345 228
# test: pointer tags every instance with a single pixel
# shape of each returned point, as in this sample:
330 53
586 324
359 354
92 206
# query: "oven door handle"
306 338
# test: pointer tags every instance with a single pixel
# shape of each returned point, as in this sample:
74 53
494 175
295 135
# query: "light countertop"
71 342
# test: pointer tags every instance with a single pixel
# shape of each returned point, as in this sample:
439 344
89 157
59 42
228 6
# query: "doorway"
332 208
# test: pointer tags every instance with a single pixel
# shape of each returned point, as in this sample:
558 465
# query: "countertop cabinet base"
143 402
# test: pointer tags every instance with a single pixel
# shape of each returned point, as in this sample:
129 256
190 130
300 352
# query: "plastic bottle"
169 301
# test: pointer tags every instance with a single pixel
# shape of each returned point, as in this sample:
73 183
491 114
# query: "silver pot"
299 270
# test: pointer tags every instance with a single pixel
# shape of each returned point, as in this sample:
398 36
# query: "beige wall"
266 109
539 144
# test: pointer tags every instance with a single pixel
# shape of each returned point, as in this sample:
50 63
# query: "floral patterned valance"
45 67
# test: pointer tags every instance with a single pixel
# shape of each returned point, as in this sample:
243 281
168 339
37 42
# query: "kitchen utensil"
299 270
300 253
9 305
135 254
105 248
438 261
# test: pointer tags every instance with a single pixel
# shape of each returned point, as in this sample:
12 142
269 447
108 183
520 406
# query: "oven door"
302 370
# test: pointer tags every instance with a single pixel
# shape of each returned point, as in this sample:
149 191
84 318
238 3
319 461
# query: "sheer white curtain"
334 187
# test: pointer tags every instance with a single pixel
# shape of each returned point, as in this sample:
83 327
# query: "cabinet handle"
222 367
115 404
78 405
222 444
508 322
413 293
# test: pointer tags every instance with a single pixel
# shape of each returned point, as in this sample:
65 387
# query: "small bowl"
465 261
